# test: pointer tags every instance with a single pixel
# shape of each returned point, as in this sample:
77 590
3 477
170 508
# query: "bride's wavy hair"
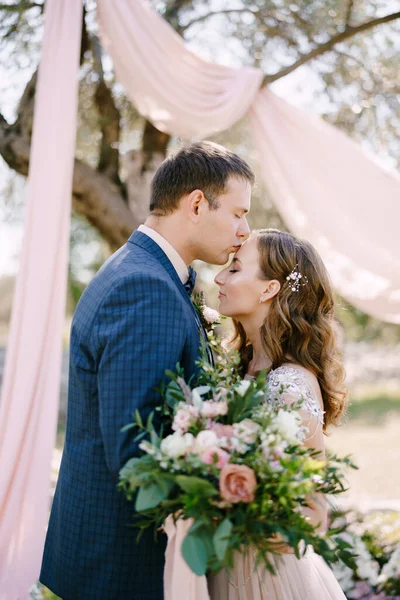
300 327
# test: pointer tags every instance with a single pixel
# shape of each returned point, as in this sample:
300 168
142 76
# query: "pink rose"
208 457
223 430
184 418
237 483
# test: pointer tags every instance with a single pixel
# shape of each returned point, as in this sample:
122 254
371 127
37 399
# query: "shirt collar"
177 261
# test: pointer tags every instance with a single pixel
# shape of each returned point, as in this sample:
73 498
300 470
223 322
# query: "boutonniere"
209 317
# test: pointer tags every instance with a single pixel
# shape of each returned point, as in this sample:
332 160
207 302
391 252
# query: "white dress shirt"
177 261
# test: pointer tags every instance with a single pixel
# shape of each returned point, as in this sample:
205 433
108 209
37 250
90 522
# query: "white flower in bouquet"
197 394
205 439
243 387
148 448
210 315
247 431
235 444
211 409
288 425
176 445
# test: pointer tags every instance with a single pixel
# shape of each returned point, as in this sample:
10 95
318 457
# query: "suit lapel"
144 241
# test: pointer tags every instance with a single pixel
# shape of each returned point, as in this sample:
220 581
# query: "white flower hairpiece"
296 279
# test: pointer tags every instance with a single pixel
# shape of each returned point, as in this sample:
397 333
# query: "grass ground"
371 434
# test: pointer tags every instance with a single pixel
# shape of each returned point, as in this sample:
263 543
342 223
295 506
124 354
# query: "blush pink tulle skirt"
309 578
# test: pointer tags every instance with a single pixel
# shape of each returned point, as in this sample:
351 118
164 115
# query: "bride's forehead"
248 252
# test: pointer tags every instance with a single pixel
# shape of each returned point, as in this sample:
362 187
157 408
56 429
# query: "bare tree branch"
321 49
227 11
21 6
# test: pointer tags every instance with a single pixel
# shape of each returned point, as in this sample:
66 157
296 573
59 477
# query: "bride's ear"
272 289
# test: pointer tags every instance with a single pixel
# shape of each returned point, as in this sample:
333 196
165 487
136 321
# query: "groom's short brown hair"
201 166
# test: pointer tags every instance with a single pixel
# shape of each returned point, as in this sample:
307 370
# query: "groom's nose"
244 229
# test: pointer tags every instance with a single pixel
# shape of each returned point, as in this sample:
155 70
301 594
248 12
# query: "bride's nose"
219 278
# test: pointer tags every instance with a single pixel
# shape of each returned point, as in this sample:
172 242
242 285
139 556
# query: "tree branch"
109 120
321 49
227 11
21 6
94 195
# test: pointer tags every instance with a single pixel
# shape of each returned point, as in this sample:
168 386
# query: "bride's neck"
260 360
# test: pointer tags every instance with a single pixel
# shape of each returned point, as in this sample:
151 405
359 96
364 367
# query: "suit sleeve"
140 333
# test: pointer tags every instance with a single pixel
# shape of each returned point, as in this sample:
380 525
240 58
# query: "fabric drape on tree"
324 186
29 404
178 91
335 195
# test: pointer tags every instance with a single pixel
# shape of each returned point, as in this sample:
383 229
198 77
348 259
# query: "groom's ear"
196 204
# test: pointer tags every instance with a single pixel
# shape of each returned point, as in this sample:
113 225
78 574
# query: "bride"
279 295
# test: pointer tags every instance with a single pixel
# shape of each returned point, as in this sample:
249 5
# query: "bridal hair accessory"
296 279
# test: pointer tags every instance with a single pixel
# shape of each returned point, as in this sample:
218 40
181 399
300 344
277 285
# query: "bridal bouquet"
234 465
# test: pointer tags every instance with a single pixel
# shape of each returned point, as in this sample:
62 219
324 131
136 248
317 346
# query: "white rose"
247 430
205 439
288 425
176 445
243 387
210 315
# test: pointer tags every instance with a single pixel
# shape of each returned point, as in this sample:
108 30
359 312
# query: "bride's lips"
236 248
221 295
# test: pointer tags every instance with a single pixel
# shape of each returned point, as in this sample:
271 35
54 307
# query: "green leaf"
138 419
128 467
174 394
127 427
221 538
150 496
195 485
194 551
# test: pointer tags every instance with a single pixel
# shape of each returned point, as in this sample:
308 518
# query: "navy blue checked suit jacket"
134 321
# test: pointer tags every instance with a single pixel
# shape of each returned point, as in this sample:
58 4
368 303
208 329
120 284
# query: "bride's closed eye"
233 270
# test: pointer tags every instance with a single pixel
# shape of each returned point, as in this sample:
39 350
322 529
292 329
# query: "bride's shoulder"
299 383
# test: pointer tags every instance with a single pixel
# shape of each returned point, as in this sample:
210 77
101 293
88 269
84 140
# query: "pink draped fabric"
178 91
180 583
326 188
29 403
334 194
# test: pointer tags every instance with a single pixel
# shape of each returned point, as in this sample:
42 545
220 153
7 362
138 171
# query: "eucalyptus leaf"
196 485
194 551
221 538
150 496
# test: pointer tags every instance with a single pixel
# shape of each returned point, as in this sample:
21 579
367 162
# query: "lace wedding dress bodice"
296 387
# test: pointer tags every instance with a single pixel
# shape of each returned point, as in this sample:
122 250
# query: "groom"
134 321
